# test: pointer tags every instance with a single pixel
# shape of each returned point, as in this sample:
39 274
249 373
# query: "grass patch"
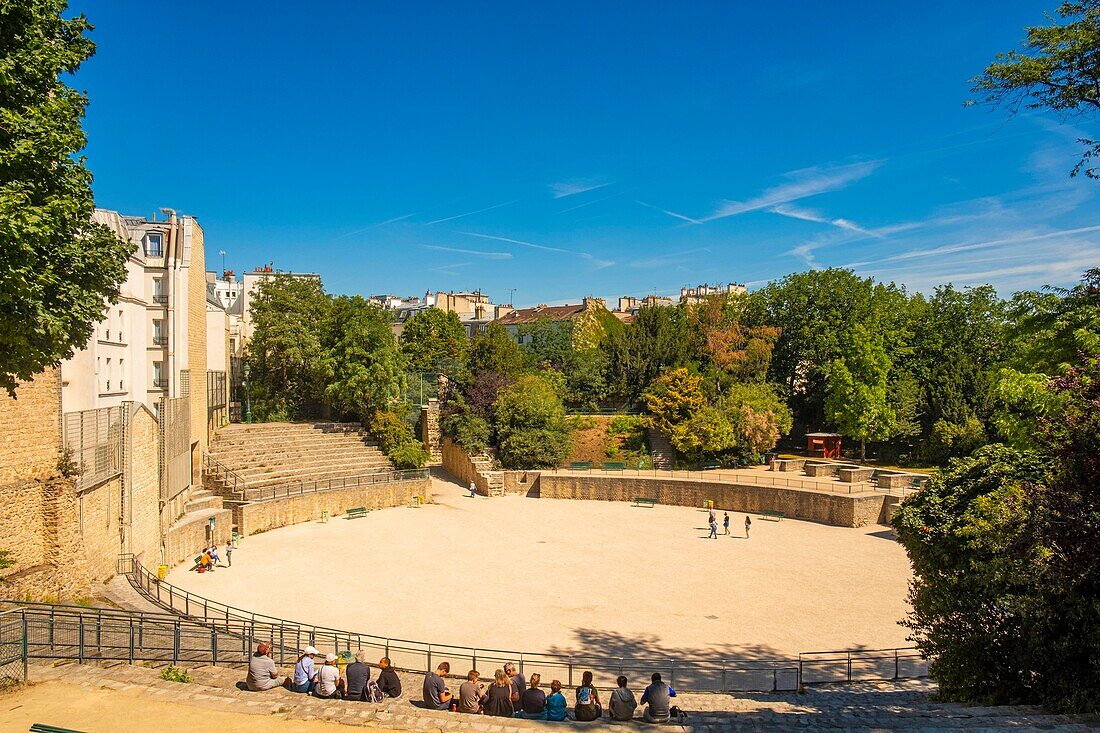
172 673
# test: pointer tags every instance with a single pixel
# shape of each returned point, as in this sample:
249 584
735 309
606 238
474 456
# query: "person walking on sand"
473 490
748 525
725 523
229 552
713 528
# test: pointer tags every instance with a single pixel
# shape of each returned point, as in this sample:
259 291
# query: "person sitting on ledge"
470 694
622 704
533 701
205 563
498 700
556 704
436 694
214 559
519 684
305 673
388 681
330 684
262 673
657 695
357 675
588 700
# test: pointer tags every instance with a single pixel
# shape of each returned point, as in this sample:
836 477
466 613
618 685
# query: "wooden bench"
771 516
44 728
356 512
613 466
645 501
580 465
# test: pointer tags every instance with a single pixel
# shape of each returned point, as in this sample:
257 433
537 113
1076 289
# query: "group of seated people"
326 680
509 695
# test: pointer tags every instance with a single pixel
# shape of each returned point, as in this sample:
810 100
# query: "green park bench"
771 516
645 501
614 466
580 465
711 466
44 728
356 512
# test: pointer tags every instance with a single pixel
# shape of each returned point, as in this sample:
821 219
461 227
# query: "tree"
585 372
857 401
496 351
531 425
547 343
1057 69
759 417
286 362
368 373
676 399
434 341
56 265
636 353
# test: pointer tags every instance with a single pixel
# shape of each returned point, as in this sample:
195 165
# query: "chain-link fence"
93 443
13 657
174 416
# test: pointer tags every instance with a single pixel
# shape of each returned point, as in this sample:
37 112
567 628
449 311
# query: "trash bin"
324 516
162 570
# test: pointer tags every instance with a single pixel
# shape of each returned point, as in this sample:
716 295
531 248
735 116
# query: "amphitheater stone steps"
264 455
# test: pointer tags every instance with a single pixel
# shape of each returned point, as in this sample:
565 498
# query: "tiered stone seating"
266 455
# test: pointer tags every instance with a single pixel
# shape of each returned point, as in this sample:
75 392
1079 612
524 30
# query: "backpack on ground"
374 692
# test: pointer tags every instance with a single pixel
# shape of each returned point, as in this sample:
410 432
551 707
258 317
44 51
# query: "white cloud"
803 183
572 188
468 213
472 252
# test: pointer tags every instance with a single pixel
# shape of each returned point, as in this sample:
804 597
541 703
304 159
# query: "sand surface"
111 711
544 575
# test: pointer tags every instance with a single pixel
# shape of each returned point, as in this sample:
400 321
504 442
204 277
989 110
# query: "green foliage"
857 398
497 352
409 455
758 415
1056 70
286 362
585 379
56 265
368 373
172 673
954 440
636 353
675 399
1051 329
6 560
434 341
547 343
531 424
469 430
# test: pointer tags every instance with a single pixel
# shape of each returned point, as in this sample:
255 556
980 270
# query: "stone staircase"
266 455
660 449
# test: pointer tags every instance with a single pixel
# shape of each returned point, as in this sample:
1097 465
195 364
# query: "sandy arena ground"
545 575
110 711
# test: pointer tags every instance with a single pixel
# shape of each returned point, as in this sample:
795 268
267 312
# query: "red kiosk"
826 445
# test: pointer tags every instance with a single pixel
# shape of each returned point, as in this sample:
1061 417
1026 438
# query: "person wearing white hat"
305 674
329 682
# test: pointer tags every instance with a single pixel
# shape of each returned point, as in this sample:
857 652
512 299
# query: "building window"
160 338
159 296
108 375
160 381
154 245
121 375
120 328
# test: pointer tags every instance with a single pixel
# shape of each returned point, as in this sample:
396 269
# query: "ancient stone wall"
431 434
184 540
30 428
459 464
143 488
261 516
841 510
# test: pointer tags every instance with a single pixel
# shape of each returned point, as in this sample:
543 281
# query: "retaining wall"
841 510
260 516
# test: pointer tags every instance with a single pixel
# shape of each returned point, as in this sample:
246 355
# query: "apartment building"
475 310
151 346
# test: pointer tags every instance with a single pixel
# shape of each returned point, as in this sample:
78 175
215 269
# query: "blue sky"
569 149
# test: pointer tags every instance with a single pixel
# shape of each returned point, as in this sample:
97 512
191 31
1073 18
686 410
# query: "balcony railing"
160 384
160 340
160 297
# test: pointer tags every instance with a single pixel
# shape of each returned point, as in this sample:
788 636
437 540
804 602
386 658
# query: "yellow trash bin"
162 570
324 516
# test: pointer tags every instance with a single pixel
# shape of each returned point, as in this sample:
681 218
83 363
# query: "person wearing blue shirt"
556 704
305 674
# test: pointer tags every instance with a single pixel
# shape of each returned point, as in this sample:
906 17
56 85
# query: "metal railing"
303 486
288 637
13 648
218 471
752 478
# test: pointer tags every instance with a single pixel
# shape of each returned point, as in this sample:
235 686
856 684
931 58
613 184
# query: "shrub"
470 431
390 430
172 673
409 455
531 424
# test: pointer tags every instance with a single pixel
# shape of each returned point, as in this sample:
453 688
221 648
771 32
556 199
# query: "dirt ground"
544 575
110 711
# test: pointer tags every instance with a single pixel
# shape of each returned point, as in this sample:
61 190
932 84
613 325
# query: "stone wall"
520 482
196 349
459 464
260 516
841 510
430 433
100 508
143 477
30 428
184 540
